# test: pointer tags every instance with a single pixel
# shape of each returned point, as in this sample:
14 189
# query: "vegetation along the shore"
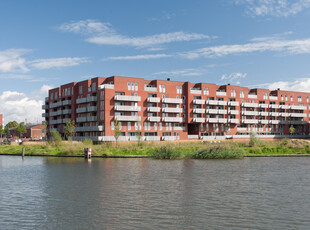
167 150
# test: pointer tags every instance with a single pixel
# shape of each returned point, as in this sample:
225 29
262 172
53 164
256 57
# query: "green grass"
168 150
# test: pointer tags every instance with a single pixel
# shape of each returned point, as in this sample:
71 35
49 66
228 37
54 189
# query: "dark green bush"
164 153
218 152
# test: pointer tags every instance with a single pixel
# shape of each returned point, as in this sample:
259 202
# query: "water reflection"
76 193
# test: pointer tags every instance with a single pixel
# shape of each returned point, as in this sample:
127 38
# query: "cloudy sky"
43 44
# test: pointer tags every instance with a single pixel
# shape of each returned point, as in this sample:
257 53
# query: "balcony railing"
216 120
150 89
212 111
284 114
263 105
298 115
298 107
198 110
172 110
92 98
66 111
263 121
92 118
153 99
263 113
172 100
81 110
274 122
274 106
127 108
221 93
199 119
273 98
255 105
169 138
44 107
253 96
106 86
285 107
153 119
250 121
44 114
274 114
127 98
250 113
235 112
81 100
56 104
199 102
233 103
66 102
222 111
81 119
172 119
153 109
99 128
127 118
233 120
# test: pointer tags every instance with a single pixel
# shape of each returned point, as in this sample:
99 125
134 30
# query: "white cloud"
103 34
139 57
275 45
301 85
58 62
12 60
233 77
18 106
277 8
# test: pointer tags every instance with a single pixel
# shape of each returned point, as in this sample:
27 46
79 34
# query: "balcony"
274 122
57 104
233 103
153 119
198 110
53 122
252 96
56 113
44 114
222 120
46 99
284 114
263 113
81 100
273 98
172 110
263 105
242 129
274 106
199 119
250 121
81 110
127 98
298 115
153 99
93 98
152 138
222 102
199 102
254 105
172 119
127 108
221 93
212 111
263 121
65 120
285 107
235 112
92 118
216 120
274 114
179 128
149 88
153 109
106 86
298 107
66 111
195 91
222 111
233 120
169 138
127 118
44 107
81 119
250 113
99 128
172 100
66 102
91 108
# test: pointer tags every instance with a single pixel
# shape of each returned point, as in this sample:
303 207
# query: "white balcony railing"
222 111
211 102
273 98
212 111
250 121
263 105
127 108
150 88
199 119
221 93
298 115
233 103
274 106
250 113
284 114
199 102
127 98
153 119
233 120
263 121
263 113
252 96
274 114
285 107
298 107
106 86
169 138
172 119
153 99
172 110
255 105
127 118
212 120
235 112
274 122
153 109
198 110
172 100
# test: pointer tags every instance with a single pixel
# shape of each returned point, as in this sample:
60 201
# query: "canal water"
73 193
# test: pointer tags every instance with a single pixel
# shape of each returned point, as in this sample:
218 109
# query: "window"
160 126
299 98
81 90
291 98
241 94
94 86
52 96
136 86
233 93
112 125
129 85
101 115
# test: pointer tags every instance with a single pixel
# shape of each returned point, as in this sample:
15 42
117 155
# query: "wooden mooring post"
23 152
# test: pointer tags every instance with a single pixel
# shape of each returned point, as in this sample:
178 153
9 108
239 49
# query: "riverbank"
167 150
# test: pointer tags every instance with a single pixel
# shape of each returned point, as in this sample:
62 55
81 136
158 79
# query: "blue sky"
255 43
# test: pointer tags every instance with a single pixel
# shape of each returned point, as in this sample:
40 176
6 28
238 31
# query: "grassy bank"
169 150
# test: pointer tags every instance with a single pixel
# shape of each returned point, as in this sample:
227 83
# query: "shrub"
55 138
218 152
285 141
87 142
164 152
253 139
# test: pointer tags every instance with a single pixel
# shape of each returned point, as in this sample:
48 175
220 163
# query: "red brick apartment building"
1 119
171 110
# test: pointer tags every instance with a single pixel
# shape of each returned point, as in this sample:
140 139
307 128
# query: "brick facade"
1 119
34 132
170 110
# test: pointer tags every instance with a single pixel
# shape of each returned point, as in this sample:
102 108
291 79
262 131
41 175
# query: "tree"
21 129
292 130
117 130
1 130
69 129
44 130
139 134
253 139
55 137
8 126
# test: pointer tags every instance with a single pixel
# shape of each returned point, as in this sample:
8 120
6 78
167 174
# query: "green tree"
292 130
1 130
55 137
69 129
8 126
21 129
117 130
44 130
253 139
